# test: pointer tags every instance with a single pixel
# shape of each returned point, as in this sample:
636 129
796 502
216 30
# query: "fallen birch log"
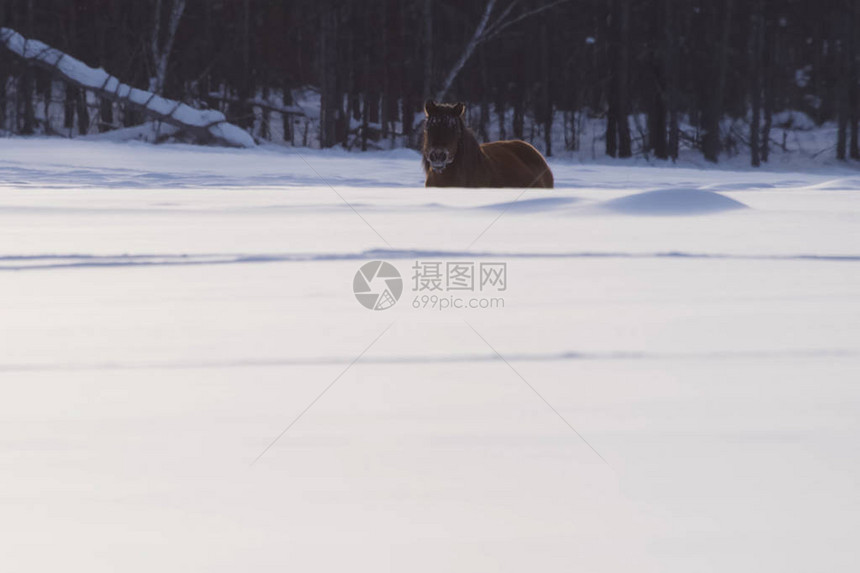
206 125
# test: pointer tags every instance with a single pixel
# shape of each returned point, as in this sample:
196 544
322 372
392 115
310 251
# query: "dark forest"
657 76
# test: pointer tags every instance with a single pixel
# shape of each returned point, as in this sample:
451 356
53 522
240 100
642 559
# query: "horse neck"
469 159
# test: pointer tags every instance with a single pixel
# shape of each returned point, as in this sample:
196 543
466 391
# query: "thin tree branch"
467 53
499 25
486 31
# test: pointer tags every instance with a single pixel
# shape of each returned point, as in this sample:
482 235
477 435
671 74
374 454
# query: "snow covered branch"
206 125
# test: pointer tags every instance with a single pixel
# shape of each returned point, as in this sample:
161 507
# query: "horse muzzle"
439 160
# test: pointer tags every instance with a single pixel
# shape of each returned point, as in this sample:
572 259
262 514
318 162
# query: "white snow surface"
672 385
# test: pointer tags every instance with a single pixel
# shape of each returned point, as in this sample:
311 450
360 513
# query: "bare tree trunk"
83 111
670 40
842 122
69 108
4 75
657 113
818 63
241 110
287 119
546 92
45 87
519 121
573 81
407 113
755 54
385 96
854 145
711 144
614 114
370 111
406 110
70 100
28 114
518 96
155 46
428 48
624 143
500 114
105 106
161 48
769 61
3 97
328 75
843 87
105 114
612 134
366 99
265 114
353 90
610 48
484 118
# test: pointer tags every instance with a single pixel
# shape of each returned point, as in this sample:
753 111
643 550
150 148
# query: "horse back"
515 163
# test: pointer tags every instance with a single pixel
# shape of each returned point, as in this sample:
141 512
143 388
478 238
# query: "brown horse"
452 157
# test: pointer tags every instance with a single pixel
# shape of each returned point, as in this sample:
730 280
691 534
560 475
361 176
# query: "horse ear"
429 106
460 109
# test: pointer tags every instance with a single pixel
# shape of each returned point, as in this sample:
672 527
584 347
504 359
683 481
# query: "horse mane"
470 150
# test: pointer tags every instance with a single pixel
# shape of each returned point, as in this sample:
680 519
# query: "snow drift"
672 202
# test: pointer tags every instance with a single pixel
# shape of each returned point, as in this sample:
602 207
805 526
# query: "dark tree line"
659 75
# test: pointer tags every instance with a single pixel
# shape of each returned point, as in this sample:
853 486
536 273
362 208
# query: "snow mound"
681 201
535 205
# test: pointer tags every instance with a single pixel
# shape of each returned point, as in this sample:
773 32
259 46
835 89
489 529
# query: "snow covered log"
206 125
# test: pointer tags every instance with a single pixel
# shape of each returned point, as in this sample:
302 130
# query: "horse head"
443 130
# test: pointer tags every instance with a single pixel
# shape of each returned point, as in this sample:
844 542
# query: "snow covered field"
671 386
